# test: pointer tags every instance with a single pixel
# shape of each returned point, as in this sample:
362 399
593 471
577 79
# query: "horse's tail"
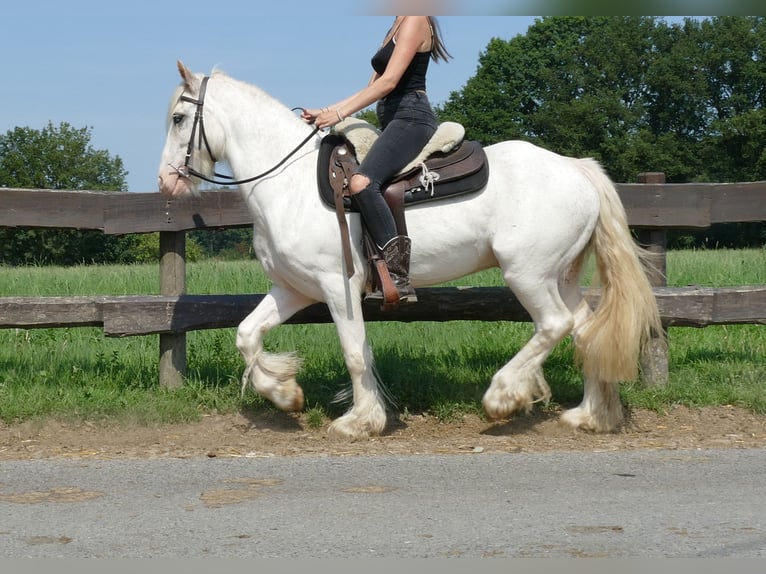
609 344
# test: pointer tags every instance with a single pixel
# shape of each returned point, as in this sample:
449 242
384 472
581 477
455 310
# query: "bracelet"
340 117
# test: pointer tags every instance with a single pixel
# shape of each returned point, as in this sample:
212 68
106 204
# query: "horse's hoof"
579 418
351 427
502 408
344 430
290 403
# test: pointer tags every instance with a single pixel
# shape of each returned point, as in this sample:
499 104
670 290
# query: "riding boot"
396 254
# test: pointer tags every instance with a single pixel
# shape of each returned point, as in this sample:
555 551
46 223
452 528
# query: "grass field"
440 368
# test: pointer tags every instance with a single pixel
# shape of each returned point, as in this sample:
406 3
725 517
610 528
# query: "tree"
571 84
733 62
494 103
224 243
58 158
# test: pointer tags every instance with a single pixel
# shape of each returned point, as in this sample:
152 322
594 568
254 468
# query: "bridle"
187 170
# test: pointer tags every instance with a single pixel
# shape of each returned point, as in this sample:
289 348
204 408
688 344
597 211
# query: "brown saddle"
460 171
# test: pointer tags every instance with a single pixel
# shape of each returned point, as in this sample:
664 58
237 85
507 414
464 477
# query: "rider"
398 85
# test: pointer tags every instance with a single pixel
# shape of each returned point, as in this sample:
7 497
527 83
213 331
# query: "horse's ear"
186 74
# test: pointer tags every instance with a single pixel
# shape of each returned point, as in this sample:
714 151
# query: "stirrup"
392 290
407 294
392 267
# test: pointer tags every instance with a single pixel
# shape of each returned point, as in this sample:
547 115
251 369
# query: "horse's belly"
449 240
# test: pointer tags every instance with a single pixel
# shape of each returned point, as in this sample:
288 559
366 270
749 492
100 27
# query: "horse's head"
193 139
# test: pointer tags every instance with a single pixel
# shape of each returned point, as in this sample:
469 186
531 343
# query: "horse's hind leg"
600 409
520 383
271 375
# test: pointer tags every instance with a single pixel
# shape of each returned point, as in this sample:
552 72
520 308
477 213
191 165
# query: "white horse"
537 219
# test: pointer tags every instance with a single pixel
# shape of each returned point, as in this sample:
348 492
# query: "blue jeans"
408 123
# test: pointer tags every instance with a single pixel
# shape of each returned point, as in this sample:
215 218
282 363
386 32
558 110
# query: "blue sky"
110 66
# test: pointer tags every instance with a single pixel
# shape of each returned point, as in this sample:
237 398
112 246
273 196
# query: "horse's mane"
256 91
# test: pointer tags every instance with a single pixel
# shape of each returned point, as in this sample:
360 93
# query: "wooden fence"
653 207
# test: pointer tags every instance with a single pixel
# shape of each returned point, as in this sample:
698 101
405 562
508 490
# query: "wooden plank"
40 312
739 305
172 363
211 210
136 213
703 306
685 306
150 314
121 213
176 314
46 208
692 205
739 202
145 315
147 212
666 205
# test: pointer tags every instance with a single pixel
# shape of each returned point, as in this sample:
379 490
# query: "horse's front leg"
367 415
271 375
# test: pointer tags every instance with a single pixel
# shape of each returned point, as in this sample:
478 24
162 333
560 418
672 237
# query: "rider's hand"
310 115
324 118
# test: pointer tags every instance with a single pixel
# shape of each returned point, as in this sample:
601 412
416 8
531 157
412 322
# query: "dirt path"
288 435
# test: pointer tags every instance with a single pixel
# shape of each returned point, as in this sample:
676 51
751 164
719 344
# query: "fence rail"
649 205
652 206
131 315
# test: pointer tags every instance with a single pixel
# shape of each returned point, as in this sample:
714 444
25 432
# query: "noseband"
199 121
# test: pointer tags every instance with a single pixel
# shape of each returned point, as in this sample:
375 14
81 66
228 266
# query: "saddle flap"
461 162
341 166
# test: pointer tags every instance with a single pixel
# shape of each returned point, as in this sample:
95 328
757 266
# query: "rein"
188 170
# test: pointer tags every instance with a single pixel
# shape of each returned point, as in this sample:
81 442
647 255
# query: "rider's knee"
358 183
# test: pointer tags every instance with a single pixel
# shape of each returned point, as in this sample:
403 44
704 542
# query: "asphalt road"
701 503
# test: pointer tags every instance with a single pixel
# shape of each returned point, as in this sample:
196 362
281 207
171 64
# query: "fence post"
654 359
172 282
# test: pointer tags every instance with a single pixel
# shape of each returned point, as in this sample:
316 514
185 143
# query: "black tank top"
414 77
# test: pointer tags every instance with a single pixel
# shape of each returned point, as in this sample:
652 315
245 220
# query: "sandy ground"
277 434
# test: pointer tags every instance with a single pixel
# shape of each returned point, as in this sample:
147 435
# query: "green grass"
439 368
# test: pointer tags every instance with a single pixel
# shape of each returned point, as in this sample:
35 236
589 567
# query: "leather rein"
187 170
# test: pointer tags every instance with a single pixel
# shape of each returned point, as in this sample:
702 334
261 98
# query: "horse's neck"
261 132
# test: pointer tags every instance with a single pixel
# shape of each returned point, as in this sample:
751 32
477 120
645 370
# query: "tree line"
635 92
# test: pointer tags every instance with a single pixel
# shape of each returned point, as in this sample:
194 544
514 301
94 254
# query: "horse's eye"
177 119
